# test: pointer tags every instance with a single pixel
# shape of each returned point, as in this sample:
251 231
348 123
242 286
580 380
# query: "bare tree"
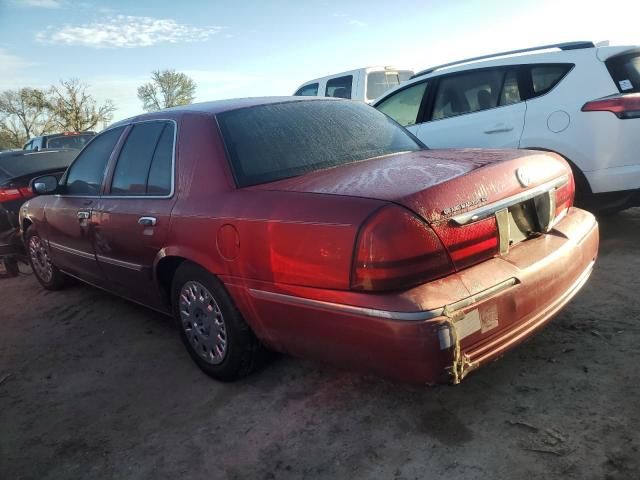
167 88
76 110
24 113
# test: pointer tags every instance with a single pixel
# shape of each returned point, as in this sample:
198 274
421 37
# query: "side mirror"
44 185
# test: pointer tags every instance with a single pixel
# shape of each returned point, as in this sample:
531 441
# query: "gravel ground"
92 386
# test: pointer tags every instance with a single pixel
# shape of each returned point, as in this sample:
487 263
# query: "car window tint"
339 87
625 71
380 82
404 105
132 169
308 91
545 77
467 93
510 90
160 172
86 174
280 140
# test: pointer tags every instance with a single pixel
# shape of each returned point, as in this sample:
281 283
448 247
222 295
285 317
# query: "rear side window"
275 141
144 164
625 71
467 93
310 90
404 105
339 87
85 176
545 77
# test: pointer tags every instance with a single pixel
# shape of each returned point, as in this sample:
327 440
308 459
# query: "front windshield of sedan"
275 141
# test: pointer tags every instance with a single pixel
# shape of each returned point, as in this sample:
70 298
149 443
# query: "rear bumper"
472 317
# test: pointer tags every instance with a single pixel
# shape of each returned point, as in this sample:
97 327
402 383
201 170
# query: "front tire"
212 329
49 276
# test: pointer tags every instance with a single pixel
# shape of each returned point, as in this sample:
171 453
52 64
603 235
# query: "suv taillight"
622 106
395 249
8 194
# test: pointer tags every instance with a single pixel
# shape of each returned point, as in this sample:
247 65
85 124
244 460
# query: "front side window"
339 87
404 105
545 77
467 93
275 141
310 90
86 174
144 164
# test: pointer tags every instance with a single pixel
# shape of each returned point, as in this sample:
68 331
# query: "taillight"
395 249
564 196
8 194
470 244
622 106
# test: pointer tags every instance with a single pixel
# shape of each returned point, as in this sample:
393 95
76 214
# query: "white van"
365 84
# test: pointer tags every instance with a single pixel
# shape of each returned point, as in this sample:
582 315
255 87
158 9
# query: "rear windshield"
271 142
69 141
625 71
19 164
379 82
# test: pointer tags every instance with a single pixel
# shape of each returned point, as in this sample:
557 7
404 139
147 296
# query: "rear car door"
70 215
479 108
132 218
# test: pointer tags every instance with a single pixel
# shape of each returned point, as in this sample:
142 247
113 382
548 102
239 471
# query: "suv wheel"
49 276
213 330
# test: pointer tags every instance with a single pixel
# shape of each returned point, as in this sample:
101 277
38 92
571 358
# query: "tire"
49 276
211 327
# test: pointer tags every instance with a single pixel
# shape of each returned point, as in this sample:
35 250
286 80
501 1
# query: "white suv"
577 99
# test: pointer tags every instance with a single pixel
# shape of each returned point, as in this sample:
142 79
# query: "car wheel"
211 327
49 276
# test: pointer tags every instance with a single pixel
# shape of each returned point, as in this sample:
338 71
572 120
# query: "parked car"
73 140
319 228
574 99
365 84
17 169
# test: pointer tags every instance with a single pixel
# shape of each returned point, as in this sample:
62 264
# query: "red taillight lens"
565 195
622 106
395 249
470 244
9 194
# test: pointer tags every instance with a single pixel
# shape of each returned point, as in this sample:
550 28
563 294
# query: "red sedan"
318 228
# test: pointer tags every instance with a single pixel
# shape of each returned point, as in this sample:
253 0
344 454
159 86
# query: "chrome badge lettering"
464 205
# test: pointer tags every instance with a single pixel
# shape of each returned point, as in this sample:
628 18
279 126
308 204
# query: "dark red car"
319 228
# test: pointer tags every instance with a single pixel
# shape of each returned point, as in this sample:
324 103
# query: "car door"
133 215
70 219
406 105
479 108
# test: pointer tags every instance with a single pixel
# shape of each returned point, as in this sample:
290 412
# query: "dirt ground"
95 387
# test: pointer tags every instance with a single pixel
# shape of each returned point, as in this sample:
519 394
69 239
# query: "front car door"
70 217
132 217
478 108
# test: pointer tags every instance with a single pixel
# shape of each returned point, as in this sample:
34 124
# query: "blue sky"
252 48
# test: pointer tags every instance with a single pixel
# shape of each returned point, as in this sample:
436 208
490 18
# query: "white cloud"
125 31
357 23
12 70
38 3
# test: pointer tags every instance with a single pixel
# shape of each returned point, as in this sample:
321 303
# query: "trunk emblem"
523 176
464 205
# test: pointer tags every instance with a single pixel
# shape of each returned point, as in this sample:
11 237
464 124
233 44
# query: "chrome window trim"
489 210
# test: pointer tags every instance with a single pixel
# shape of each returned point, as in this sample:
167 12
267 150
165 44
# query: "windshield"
275 141
70 141
379 82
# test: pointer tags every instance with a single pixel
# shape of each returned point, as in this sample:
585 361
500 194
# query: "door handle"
147 221
499 129
84 215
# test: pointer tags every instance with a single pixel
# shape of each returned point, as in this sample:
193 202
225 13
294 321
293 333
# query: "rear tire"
211 327
49 276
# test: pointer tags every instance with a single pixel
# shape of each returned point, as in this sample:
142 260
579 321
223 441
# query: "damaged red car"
319 228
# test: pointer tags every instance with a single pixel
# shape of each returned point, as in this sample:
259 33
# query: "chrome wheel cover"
40 259
203 323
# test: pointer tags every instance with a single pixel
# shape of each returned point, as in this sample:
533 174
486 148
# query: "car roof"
218 106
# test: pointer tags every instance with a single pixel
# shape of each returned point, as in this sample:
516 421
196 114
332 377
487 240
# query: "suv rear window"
625 71
380 82
271 142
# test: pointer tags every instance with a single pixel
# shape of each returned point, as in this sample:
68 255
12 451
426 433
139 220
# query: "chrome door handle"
84 215
147 221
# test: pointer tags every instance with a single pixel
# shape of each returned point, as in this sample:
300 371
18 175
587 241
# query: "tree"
24 113
76 110
167 88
